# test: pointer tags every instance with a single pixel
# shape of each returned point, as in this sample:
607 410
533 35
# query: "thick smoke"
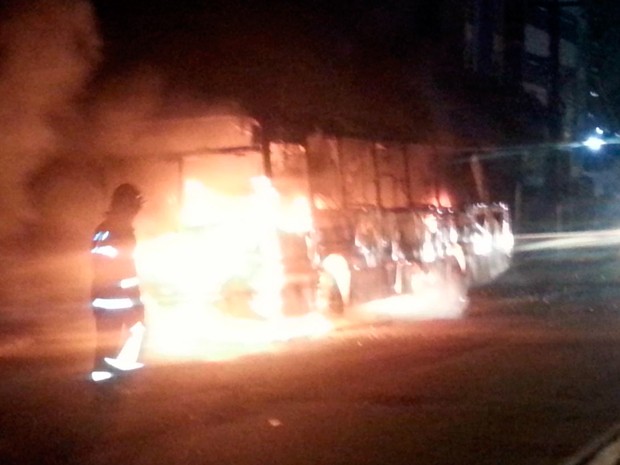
49 50
118 110
58 124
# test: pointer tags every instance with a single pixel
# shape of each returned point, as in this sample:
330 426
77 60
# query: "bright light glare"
100 375
223 240
105 250
190 332
127 358
428 254
225 262
506 241
296 217
113 304
482 242
129 282
594 143
427 303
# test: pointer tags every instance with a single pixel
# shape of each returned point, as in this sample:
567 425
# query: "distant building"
535 45
538 48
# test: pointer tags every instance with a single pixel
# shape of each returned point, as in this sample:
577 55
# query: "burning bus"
238 228
220 235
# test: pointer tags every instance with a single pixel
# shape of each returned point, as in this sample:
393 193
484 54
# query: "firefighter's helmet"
126 198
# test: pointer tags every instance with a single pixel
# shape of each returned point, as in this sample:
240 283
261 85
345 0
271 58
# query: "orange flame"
225 244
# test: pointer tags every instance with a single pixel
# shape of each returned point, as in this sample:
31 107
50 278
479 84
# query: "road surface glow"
189 332
431 303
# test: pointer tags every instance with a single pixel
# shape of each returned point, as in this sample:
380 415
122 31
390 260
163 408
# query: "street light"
597 140
594 143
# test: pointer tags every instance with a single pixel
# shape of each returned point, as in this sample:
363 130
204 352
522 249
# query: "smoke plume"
49 48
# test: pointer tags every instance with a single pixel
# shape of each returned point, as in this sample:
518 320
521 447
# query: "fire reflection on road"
190 333
431 303
187 332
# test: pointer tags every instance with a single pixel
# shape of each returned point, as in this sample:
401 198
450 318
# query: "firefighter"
115 294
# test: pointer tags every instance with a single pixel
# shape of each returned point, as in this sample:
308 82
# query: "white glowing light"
200 205
127 358
113 304
456 251
296 217
129 282
105 250
594 143
123 365
224 262
192 332
431 223
507 242
337 267
453 235
428 253
100 375
429 302
482 242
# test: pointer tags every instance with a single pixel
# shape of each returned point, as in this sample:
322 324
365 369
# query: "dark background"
343 63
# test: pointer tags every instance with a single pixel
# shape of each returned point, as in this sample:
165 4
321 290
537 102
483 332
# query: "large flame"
224 262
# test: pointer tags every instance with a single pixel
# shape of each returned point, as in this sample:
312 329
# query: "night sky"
151 30
297 61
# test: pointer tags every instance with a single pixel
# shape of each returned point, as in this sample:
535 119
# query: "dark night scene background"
519 85
373 231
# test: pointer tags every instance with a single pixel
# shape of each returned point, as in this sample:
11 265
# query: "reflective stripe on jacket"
115 285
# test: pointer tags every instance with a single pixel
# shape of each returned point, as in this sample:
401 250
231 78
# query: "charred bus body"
373 253
386 223
287 228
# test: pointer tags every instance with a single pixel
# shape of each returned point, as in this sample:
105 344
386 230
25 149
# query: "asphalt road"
528 374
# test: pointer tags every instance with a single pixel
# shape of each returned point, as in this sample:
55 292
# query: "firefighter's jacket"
115 286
